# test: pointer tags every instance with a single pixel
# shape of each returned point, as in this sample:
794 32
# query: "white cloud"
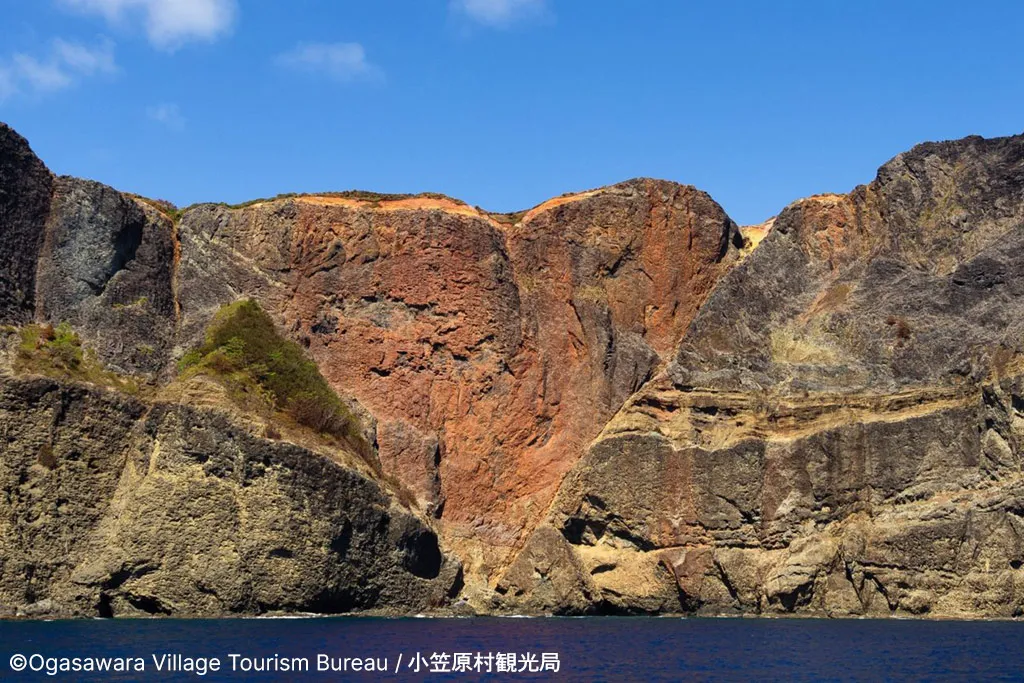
167 114
44 75
500 13
341 61
85 60
61 67
168 23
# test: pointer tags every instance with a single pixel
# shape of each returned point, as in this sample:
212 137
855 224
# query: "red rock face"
840 431
489 351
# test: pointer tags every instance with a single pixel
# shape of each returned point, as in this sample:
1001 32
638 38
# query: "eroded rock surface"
617 401
107 268
114 507
25 187
490 349
840 430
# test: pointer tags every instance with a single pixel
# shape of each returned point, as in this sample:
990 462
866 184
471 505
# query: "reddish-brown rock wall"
489 350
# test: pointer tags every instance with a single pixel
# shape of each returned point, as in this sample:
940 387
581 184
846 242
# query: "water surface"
587 649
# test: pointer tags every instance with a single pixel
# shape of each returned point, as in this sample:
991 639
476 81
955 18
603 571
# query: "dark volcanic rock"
25 187
909 280
107 268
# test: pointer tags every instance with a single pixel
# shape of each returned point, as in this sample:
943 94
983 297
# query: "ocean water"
586 649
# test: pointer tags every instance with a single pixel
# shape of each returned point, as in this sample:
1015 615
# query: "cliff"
840 429
114 507
618 401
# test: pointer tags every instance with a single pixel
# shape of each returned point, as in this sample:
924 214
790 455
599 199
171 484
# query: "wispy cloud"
64 64
167 114
86 60
344 62
500 13
168 24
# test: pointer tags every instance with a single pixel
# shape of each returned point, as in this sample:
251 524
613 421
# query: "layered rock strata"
840 429
616 402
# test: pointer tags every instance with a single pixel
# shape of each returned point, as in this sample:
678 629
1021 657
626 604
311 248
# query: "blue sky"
501 103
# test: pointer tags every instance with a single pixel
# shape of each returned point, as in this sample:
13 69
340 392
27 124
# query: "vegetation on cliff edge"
58 352
244 349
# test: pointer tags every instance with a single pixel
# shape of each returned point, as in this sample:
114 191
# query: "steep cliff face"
167 499
25 187
106 267
840 430
617 401
489 349
116 507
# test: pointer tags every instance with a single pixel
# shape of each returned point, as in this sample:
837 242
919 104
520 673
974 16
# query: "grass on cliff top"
245 351
58 352
162 205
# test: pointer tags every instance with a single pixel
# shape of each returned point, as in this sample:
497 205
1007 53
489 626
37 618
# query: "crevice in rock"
1017 402
746 516
798 597
341 541
147 604
889 600
421 554
458 584
329 601
724 577
122 575
104 610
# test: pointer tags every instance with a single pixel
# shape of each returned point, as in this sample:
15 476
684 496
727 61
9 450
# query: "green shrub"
243 346
66 348
163 206
58 346
58 352
190 359
138 303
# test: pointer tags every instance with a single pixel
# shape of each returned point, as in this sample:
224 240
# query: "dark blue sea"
588 649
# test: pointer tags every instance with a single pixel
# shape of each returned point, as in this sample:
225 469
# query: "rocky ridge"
616 402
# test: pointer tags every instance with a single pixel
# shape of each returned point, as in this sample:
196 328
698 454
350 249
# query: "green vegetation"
506 218
163 206
367 196
60 346
58 352
245 351
258 200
